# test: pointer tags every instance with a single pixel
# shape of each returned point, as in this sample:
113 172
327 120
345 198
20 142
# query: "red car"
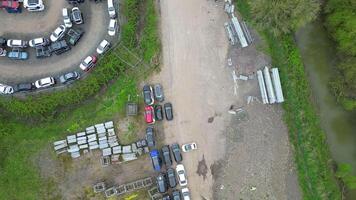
9 4
149 115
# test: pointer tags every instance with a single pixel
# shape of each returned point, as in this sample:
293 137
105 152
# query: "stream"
318 55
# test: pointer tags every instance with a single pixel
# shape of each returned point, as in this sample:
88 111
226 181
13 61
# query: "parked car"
103 46
16 54
75 2
176 152
69 77
45 82
168 111
16 43
5 89
111 9
161 183
74 36
176 195
59 47
185 193
182 178
171 175
58 33
77 16
38 42
149 115
189 147
148 95
33 5
66 18
22 87
166 197
156 160
150 137
112 27
158 112
158 91
43 52
2 41
88 63
166 152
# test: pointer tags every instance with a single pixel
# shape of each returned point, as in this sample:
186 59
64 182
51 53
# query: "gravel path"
233 157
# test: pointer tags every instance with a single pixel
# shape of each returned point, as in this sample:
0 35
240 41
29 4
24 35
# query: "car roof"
154 152
88 59
16 42
112 22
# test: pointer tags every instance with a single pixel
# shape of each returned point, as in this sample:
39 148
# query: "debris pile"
101 136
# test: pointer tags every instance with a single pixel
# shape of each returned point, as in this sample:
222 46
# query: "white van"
111 9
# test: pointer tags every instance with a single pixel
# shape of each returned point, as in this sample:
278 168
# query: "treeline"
340 21
276 22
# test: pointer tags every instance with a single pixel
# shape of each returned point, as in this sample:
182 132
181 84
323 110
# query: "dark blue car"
156 160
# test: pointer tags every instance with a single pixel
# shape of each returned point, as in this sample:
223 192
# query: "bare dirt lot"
27 26
248 159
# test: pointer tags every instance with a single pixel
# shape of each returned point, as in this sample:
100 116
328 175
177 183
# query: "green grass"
312 157
22 136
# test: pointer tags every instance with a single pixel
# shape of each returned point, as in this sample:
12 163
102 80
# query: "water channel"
318 54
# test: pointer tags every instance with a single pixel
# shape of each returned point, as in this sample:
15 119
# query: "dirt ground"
29 25
236 159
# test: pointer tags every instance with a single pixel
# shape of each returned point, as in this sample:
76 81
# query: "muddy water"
318 55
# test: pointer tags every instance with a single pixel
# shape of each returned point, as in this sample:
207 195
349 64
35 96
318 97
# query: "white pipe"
270 92
261 83
239 31
277 85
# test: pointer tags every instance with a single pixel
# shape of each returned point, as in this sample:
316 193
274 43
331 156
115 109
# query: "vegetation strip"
312 156
20 143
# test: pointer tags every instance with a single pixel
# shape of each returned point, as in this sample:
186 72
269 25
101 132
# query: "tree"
283 16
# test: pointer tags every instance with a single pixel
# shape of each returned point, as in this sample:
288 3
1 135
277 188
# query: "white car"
88 63
112 27
33 5
66 18
182 178
111 9
103 46
58 33
185 193
189 147
45 82
38 42
5 89
16 43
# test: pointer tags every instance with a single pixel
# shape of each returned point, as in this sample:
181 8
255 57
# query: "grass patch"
312 157
22 136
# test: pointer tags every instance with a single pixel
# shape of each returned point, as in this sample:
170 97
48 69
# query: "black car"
171 178
22 87
77 16
158 112
148 95
166 153
166 197
150 137
59 47
2 42
69 77
74 35
161 183
176 152
42 52
176 195
169 111
75 1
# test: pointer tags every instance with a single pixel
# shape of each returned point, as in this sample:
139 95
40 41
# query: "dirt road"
199 85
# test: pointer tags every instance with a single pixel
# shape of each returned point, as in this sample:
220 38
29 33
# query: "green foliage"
340 22
312 156
281 17
345 174
150 42
130 10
